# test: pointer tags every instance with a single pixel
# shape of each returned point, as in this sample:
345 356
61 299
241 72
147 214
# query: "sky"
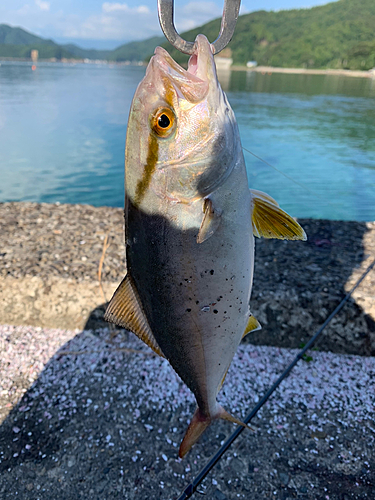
108 24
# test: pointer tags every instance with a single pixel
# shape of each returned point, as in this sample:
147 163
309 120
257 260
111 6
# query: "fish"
190 222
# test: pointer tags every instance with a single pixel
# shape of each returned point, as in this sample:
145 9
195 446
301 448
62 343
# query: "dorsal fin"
270 221
252 326
124 309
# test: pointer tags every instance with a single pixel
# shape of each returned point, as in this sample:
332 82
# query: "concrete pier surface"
92 415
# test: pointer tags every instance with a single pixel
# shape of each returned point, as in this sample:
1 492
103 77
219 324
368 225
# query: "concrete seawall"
305 71
50 258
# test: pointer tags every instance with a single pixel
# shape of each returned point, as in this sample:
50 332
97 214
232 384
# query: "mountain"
78 52
18 36
335 35
136 51
132 51
16 42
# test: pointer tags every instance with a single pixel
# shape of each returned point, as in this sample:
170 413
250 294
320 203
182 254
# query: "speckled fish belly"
189 223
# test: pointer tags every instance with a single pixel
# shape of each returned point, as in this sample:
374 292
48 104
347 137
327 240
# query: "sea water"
63 126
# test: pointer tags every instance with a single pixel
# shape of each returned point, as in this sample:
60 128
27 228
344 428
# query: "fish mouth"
201 59
194 82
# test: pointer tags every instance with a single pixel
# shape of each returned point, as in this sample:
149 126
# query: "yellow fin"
270 221
211 221
252 326
222 380
124 310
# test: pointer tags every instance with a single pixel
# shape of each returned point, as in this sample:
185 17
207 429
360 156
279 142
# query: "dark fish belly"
192 294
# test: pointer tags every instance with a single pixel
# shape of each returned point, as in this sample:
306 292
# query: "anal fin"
270 221
124 309
252 326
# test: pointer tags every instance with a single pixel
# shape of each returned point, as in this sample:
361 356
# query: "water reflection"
304 84
318 129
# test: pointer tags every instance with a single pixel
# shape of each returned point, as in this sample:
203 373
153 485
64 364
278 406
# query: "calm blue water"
62 134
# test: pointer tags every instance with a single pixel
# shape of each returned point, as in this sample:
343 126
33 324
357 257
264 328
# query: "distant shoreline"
73 61
268 70
264 70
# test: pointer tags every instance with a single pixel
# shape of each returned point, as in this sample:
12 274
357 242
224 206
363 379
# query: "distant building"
34 55
251 64
224 61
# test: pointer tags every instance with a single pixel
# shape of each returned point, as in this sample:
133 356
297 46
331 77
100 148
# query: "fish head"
182 137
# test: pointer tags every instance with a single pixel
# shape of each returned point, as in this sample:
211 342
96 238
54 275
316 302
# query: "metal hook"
228 23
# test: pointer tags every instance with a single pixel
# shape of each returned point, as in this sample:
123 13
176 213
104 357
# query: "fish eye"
162 122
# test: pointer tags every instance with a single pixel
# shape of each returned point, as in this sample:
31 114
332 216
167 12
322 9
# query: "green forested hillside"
136 51
336 35
46 51
16 42
132 51
18 36
78 52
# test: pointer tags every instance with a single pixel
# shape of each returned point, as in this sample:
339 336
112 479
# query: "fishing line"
288 177
192 487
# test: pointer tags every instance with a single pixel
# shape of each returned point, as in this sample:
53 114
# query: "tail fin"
199 424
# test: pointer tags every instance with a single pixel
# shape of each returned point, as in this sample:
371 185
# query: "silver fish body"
195 296
189 235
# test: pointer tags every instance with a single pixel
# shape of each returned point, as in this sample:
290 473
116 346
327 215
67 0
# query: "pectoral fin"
124 309
211 221
252 326
270 221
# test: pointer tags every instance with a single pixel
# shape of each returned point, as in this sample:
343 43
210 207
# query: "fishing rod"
192 487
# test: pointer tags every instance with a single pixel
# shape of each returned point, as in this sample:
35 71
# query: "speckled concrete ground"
94 414
89 415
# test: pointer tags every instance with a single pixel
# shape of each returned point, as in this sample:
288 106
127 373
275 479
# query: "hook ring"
228 24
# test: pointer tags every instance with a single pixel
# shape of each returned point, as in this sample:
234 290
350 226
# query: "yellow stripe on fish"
150 167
